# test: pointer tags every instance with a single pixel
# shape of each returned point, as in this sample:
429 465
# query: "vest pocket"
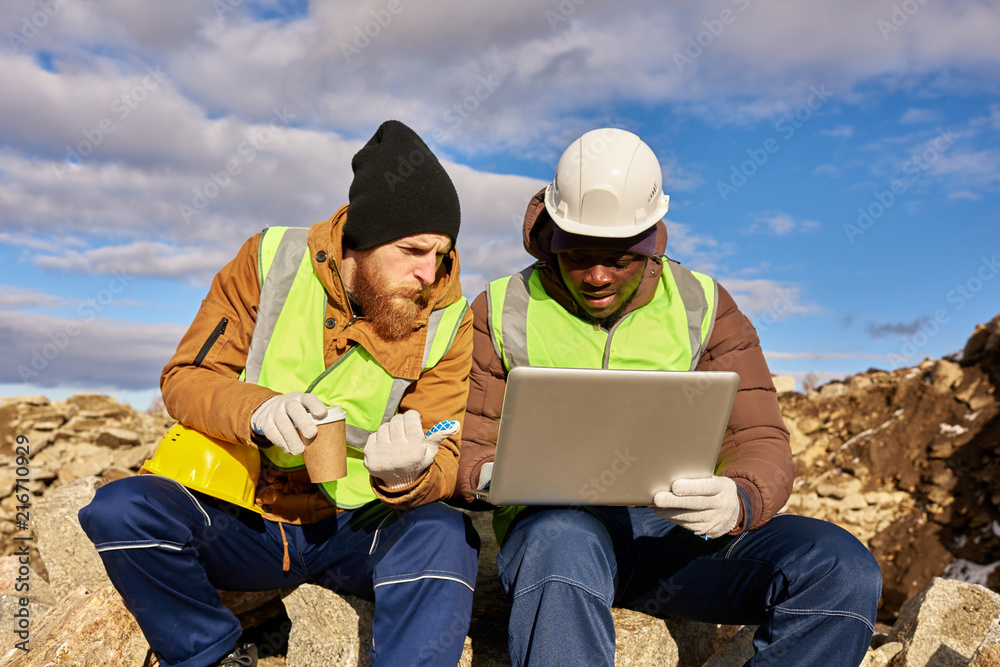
219 329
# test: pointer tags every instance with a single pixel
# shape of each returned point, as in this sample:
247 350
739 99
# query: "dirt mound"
907 461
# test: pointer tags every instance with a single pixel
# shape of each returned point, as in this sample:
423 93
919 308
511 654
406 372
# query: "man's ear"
347 267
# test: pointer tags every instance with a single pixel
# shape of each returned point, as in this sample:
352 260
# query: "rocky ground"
905 460
908 462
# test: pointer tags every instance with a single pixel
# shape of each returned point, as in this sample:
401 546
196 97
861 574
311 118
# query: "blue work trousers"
811 586
167 549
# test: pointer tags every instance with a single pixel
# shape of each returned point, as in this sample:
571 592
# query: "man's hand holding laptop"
708 507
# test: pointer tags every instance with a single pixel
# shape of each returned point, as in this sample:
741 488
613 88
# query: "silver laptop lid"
606 437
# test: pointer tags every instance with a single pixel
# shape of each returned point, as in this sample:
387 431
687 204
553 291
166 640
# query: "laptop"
606 437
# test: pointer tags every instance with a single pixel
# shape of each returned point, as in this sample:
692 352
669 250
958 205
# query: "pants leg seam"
137 544
405 579
375 536
194 501
826 612
563 580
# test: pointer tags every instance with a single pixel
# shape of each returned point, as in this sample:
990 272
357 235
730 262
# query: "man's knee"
439 534
105 511
130 507
428 542
563 543
858 568
844 563
444 523
434 535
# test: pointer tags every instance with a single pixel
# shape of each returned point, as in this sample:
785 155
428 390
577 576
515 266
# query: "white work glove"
709 506
284 420
399 451
485 475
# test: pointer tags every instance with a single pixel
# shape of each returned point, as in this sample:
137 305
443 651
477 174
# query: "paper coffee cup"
326 454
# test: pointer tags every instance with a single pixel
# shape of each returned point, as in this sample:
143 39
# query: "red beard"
389 309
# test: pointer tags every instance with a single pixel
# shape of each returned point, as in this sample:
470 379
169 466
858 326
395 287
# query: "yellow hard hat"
215 467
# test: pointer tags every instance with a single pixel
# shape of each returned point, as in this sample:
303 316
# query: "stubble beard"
389 309
608 321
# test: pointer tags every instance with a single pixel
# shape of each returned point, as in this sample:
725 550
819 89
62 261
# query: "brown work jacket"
755 453
201 386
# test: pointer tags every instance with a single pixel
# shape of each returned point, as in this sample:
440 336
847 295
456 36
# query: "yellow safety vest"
286 354
529 328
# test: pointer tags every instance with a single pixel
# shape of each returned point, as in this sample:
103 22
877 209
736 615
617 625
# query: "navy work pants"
811 586
167 549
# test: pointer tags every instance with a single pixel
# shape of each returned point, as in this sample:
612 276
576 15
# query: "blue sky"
835 165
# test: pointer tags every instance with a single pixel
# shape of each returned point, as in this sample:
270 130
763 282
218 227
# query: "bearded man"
365 312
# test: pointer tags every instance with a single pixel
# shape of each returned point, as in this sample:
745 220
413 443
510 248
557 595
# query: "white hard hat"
608 184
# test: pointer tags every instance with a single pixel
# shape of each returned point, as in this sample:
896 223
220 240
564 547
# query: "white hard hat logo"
601 186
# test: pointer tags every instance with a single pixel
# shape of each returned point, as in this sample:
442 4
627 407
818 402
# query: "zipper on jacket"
347 295
220 328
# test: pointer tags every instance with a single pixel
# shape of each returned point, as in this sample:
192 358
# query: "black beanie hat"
399 189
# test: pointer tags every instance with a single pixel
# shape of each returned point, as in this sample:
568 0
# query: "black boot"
244 655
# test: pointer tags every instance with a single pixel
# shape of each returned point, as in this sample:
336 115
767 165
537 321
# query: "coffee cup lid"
334 413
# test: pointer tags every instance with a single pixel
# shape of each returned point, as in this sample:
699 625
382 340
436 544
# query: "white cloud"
768 299
963 194
913 116
86 350
117 23
142 258
782 223
817 356
16 298
517 79
294 183
961 158
554 80
697 251
969 167
37 242
778 223
841 131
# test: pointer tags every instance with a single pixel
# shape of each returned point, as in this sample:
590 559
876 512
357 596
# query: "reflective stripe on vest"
669 333
529 328
286 354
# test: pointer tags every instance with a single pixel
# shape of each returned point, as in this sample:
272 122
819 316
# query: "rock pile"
906 460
